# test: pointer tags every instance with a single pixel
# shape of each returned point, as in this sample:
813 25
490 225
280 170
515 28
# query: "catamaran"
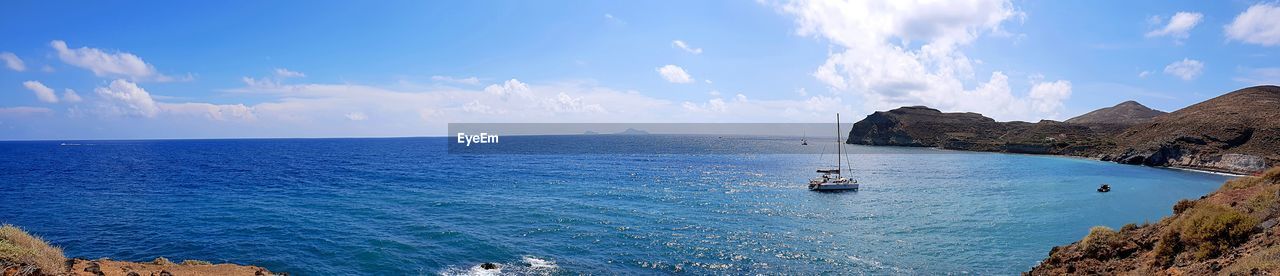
831 180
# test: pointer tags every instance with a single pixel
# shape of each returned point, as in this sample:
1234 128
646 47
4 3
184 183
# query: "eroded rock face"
1238 132
919 126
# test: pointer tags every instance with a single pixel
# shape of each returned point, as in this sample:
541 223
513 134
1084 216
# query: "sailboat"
831 180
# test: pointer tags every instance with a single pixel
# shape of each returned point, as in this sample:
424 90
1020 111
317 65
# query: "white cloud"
467 80
126 98
70 95
44 93
1260 76
1144 74
512 87
24 111
103 63
260 83
216 112
13 62
1185 69
902 53
613 19
1179 27
674 74
278 76
1047 97
685 46
356 116
1257 25
286 73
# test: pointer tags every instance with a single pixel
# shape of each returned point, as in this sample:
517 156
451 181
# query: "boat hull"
833 187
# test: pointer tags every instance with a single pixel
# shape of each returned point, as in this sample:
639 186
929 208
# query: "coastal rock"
98 267
1237 132
919 126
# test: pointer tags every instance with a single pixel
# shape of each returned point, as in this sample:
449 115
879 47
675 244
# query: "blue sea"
406 206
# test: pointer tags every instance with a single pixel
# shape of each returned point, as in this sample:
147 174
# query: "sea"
411 206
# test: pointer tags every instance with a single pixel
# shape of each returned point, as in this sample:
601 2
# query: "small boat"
831 180
1104 188
803 142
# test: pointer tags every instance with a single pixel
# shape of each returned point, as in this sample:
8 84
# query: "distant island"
632 131
1237 132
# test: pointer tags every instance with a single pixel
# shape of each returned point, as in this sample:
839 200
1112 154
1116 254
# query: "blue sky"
407 68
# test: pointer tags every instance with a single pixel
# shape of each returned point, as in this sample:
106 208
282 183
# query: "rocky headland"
1238 132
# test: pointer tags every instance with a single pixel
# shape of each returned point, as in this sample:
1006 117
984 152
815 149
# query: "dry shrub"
1209 229
1265 260
1101 243
195 262
18 246
1182 205
161 261
1268 177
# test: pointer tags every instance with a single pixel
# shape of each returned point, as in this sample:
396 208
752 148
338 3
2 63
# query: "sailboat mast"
839 155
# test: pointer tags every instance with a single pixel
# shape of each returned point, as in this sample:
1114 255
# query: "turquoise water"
405 206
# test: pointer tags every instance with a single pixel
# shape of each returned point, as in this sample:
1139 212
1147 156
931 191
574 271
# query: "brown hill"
1236 132
920 126
1232 231
1126 113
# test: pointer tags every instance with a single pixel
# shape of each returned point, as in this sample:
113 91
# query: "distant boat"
831 180
1104 188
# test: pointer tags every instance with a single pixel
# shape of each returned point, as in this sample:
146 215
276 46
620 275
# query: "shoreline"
1199 170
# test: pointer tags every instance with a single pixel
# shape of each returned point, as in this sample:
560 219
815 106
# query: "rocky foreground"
22 254
1238 132
1232 231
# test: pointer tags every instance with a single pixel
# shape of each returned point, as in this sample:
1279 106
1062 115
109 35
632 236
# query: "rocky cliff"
1236 132
920 126
1232 231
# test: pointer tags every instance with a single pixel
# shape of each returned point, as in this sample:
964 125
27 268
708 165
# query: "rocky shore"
22 254
1236 133
1233 231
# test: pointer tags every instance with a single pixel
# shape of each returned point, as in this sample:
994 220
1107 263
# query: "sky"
256 69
